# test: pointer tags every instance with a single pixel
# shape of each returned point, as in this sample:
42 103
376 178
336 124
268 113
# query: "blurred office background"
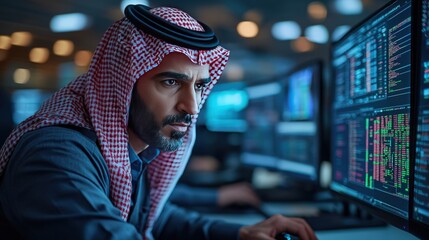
267 121
46 44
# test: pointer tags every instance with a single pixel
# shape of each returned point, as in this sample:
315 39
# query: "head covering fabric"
99 100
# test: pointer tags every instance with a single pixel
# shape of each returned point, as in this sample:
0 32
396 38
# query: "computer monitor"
420 201
371 110
299 131
262 115
224 108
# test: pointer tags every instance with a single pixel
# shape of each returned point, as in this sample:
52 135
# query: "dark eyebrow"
179 76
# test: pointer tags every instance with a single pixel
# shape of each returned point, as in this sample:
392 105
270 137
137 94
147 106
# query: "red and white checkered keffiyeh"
99 100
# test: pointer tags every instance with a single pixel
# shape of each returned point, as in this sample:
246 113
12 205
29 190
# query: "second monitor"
284 124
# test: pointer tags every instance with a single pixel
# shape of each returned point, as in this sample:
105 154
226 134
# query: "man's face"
164 99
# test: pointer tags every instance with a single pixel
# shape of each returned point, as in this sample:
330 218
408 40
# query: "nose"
188 102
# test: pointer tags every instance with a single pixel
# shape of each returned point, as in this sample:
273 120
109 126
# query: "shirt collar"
149 154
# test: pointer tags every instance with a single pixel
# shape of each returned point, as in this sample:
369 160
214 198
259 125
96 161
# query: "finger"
308 228
291 225
300 230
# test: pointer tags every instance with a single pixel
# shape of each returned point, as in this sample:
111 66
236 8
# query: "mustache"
184 118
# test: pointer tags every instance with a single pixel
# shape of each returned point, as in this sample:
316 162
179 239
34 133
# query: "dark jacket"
56 186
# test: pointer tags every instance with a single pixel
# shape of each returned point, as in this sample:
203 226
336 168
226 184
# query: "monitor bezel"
397 221
416 228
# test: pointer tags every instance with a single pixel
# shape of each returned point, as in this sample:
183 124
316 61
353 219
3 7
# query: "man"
101 157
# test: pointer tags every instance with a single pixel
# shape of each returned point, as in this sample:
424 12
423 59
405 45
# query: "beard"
143 123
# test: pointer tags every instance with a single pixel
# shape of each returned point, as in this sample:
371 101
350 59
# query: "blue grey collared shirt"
139 163
57 186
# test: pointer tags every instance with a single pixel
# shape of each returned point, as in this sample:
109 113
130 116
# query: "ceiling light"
317 10
21 38
83 58
63 47
125 3
247 29
302 45
39 55
69 22
317 34
348 7
286 30
5 42
21 76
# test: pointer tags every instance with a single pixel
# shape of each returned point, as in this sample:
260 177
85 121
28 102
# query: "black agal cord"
152 24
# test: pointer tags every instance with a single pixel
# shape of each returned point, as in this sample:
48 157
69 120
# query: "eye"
170 82
200 86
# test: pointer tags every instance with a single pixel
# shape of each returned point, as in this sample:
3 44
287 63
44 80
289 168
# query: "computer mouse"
286 236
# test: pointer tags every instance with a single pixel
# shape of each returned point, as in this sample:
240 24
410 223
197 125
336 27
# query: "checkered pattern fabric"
99 100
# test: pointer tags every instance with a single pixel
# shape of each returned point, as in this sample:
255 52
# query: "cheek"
162 106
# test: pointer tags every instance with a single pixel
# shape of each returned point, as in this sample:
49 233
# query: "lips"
180 127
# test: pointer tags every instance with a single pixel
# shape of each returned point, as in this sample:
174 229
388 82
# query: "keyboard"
336 221
332 221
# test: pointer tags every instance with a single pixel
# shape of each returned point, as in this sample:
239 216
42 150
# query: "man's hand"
237 193
267 230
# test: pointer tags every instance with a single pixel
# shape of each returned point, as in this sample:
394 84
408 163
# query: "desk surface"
386 233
